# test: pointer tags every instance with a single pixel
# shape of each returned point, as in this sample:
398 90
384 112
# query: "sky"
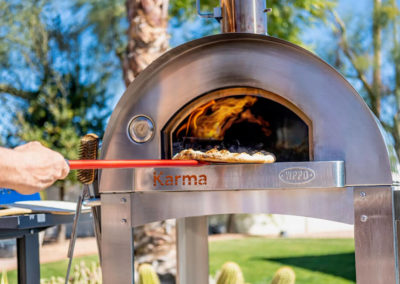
314 36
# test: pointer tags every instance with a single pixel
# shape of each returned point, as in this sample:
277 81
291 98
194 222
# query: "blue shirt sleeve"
11 196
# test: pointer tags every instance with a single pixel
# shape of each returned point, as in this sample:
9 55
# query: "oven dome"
343 127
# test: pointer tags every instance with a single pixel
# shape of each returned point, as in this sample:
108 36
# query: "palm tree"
147 35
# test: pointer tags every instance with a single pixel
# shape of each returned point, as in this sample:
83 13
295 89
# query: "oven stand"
117 239
118 246
374 235
376 250
192 250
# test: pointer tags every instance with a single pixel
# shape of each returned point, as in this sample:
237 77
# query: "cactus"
230 274
147 275
284 275
4 279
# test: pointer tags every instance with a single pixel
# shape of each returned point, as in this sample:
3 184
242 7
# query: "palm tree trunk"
147 40
147 35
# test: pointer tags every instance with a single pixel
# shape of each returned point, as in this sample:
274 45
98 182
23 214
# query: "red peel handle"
115 164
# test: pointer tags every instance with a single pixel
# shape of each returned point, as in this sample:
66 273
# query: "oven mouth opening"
241 120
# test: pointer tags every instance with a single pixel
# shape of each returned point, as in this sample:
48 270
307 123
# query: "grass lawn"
314 260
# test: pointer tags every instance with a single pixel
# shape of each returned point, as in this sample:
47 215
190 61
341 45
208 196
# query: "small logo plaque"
297 175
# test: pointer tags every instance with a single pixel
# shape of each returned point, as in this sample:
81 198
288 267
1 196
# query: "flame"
213 119
248 116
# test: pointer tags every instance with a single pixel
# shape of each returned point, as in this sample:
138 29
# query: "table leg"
28 259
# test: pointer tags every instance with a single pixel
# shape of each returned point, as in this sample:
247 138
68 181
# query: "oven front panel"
242 177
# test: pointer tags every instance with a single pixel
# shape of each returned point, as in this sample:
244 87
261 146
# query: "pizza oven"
244 91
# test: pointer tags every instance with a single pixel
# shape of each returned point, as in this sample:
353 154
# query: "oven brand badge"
297 175
159 179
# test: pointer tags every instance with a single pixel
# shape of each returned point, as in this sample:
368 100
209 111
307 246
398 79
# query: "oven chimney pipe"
239 16
244 16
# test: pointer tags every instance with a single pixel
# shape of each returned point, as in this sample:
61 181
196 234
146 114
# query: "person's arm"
30 168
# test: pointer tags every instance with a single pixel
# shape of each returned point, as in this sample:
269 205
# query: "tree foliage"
365 48
286 21
48 70
289 18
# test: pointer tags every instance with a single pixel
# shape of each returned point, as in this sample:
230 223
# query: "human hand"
37 167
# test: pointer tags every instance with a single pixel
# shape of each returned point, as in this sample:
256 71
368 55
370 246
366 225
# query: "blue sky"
348 8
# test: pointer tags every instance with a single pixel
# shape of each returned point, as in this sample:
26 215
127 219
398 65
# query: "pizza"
224 156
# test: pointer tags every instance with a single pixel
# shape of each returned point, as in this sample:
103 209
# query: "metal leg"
192 250
74 232
117 239
396 199
374 233
28 259
96 212
397 239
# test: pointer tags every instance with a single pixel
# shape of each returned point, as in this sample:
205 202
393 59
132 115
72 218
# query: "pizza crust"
224 156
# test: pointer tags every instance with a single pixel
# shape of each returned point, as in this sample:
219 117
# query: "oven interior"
240 120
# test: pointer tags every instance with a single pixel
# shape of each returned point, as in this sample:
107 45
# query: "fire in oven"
241 120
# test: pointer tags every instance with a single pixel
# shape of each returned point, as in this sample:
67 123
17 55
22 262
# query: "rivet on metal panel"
123 200
363 194
364 218
124 221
